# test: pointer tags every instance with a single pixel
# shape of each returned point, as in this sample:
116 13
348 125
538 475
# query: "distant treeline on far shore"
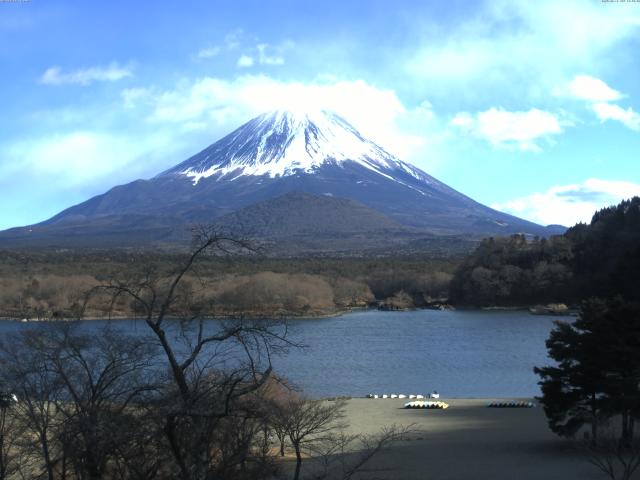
598 259
49 284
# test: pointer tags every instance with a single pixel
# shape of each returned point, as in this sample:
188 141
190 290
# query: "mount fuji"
281 176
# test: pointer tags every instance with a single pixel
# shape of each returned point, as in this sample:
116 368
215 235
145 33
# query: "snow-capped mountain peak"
283 143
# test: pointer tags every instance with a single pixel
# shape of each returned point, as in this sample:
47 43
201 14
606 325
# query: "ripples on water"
458 353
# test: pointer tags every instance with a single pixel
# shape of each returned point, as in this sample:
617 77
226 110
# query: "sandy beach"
468 441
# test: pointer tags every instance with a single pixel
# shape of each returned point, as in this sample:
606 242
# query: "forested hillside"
598 259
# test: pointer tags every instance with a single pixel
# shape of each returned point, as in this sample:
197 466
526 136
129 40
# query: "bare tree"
9 434
307 423
316 430
211 366
26 370
614 457
76 393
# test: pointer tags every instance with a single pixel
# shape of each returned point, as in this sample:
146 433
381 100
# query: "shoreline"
294 316
217 317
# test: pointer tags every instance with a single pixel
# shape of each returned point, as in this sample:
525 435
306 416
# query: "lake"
465 353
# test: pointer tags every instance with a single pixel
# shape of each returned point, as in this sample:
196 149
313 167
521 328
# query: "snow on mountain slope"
260 171
283 143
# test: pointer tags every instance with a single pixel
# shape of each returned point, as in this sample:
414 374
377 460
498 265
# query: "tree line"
47 284
599 259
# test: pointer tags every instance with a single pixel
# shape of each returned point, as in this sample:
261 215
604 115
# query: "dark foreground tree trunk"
46 455
296 475
594 420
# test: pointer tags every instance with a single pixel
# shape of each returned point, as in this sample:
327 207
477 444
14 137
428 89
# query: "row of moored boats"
402 395
512 404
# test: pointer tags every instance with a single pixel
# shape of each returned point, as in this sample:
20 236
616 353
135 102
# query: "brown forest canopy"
41 284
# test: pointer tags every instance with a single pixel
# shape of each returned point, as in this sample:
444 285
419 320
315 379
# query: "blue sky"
529 107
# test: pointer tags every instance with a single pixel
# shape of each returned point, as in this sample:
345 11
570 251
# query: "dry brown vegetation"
52 284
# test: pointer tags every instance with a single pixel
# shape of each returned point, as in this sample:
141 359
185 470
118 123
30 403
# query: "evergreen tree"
597 374
599 259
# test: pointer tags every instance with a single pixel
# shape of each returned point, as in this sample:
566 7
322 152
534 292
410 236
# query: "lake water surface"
459 353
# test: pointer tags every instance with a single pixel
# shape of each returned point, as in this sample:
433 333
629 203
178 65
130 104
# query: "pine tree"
597 374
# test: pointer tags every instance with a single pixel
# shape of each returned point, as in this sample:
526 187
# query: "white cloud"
225 104
82 157
600 95
519 46
245 61
76 157
265 54
607 111
503 128
585 87
570 204
208 52
85 76
82 153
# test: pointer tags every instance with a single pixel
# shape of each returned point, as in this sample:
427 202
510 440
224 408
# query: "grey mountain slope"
271 156
300 213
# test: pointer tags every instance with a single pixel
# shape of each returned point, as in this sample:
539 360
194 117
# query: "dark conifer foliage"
597 374
599 259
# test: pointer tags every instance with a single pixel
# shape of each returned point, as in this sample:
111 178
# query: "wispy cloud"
265 54
208 52
245 61
607 111
231 41
131 96
570 204
266 58
85 76
75 157
503 128
234 38
519 46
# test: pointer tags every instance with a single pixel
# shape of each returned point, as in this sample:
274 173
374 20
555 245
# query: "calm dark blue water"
458 353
